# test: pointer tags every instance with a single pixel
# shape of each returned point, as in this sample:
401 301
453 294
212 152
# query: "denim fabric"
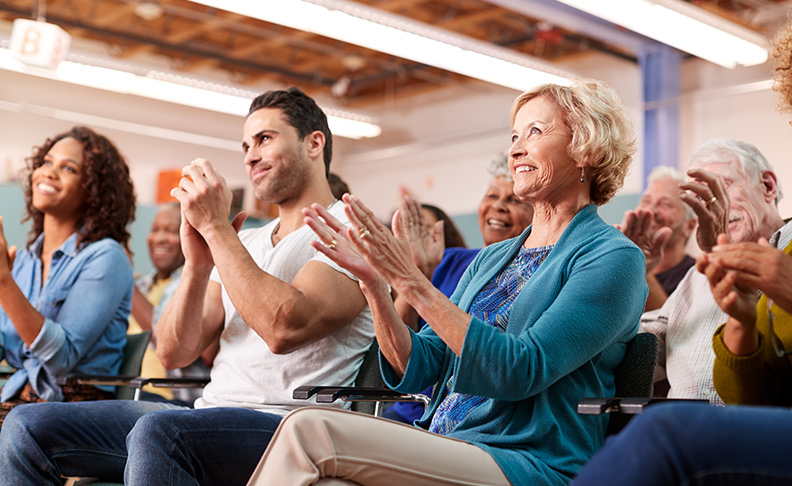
157 443
696 445
85 302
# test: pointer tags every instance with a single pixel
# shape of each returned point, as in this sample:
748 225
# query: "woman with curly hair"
64 300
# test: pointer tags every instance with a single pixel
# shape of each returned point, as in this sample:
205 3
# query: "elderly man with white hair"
667 222
733 190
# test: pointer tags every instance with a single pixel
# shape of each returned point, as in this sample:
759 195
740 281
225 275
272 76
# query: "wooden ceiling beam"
199 28
112 16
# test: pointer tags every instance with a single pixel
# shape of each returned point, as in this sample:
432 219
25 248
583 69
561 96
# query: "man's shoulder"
251 235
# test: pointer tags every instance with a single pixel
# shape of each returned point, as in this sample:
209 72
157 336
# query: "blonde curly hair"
782 66
601 131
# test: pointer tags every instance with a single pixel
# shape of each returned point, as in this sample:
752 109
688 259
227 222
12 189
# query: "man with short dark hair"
284 315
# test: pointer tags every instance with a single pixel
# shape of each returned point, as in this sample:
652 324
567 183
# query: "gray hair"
751 160
668 172
499 167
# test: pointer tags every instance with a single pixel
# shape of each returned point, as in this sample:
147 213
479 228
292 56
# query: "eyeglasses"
777 345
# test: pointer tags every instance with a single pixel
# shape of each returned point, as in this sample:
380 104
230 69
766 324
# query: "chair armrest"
597 406
95 380
307 391
353 394
627 406
140 382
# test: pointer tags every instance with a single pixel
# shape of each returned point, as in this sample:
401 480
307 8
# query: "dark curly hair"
109 192
782 66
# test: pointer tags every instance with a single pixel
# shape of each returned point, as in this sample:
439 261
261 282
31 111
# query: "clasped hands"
205 206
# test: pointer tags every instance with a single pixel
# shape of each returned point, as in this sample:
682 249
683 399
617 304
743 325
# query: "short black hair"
302 112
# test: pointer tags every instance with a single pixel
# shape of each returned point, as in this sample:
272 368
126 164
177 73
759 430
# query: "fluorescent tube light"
684 26
179 90
402 37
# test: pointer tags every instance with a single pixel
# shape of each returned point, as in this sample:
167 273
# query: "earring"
582 174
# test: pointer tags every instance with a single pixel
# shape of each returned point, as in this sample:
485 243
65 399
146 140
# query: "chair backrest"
133 360
634 376
369 377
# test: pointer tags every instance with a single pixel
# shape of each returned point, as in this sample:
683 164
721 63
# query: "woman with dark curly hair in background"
64 300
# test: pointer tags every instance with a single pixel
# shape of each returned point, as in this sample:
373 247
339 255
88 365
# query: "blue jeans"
139 442
697 444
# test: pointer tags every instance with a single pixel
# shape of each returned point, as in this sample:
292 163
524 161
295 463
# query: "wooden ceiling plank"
112 16
182 35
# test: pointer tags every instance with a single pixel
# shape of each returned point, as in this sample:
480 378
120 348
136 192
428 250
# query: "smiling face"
164 243
539 160
275 158
751 210
662 199
57 182
501 214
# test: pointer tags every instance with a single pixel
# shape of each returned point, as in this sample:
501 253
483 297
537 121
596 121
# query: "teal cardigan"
567 332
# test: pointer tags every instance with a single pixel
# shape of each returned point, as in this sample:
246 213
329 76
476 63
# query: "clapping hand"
7 255
708 197
426 242
335 241
639 227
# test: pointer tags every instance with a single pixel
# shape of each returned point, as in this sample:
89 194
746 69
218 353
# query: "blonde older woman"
537 322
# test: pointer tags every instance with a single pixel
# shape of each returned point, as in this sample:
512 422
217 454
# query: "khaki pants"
325 446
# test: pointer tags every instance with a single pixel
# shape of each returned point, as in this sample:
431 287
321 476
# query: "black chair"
369 392
634 379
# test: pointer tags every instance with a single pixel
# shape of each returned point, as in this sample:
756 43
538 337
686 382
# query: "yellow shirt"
152 368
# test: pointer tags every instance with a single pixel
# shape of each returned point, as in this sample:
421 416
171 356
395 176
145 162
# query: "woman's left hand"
388 253
7 255
334 242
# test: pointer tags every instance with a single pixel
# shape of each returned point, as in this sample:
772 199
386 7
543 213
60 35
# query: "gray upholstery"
369 377
133 360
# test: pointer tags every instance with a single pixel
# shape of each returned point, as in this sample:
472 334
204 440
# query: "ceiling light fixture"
684 26
178 89
402 37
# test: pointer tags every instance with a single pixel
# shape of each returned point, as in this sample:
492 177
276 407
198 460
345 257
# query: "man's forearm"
657 295
180 329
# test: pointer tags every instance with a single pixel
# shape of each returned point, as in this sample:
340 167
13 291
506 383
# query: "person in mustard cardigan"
752 364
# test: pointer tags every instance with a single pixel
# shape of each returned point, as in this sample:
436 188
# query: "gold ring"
332 245
712 200
365 233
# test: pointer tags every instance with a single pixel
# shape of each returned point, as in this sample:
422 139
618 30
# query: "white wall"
435 144
718 102
446 140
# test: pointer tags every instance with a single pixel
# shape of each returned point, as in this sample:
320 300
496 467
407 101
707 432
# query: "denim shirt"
85 303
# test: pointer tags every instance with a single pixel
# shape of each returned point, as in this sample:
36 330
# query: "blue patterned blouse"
493 306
